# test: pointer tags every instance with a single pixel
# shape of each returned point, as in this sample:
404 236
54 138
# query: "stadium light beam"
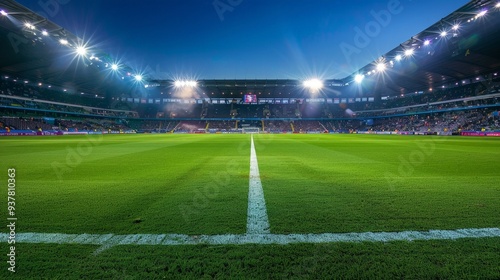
63 42
444 33
497 5
29 25
409 52
138 77
114 67
398 57
182 83
45 33
81 50
4 13
313 84
482 13
381 67
359 78
427 42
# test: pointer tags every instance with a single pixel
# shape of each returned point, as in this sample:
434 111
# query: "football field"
252 206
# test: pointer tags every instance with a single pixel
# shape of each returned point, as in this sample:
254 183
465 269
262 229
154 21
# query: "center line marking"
257 221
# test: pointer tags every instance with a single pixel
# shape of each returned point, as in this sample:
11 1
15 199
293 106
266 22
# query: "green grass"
358 183
198 184
130 184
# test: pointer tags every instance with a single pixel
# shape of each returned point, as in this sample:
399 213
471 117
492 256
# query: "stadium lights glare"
427 42
482 13
114 67
80 50
45 33
381 67
455 27
180 83
313 84
496 6
138 77
398 57
63 42
359 78
444 33
29 25
409 52
4 13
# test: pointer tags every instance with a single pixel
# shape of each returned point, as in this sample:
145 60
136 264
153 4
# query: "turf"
130 184
359 183
198 184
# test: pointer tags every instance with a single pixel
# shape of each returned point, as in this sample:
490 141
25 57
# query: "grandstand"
446 88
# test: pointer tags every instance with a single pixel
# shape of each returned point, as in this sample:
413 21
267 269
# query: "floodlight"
114 67
182 83
29 25
444 33
455 27
138 77
398 57
427 42
81 50
63 41
313 84
482 13
359 78
45 33
409 52
496 6
4 13
381 67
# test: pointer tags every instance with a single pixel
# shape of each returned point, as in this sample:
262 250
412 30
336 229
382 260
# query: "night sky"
244 39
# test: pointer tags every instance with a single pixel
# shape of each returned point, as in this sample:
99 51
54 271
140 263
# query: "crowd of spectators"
21 123
466 107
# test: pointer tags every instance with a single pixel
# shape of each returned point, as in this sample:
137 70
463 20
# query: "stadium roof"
460 46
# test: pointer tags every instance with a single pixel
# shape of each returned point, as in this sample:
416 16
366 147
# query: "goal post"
250 130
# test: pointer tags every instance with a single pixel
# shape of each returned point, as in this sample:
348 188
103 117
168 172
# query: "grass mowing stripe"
110 240
257 220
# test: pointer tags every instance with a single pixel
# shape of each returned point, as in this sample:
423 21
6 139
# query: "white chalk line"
257 231
109 240
257 220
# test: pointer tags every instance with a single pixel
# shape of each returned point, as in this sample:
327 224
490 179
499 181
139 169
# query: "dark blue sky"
244 39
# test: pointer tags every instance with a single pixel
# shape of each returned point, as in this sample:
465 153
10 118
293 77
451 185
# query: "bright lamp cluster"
185 83
452 30
313 84
75 45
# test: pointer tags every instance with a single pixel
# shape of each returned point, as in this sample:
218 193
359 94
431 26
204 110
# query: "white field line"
257 221
110 240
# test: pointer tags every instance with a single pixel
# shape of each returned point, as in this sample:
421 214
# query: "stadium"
110 171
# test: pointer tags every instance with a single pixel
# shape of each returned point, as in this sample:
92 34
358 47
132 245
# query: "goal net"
248 130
